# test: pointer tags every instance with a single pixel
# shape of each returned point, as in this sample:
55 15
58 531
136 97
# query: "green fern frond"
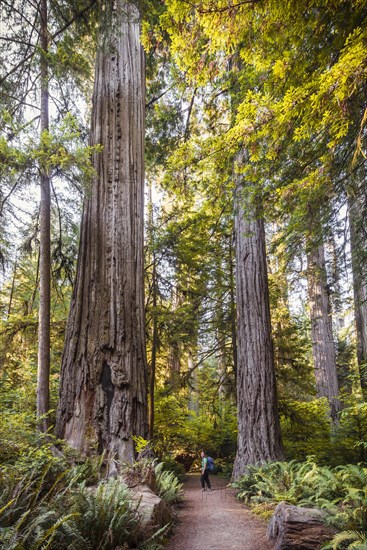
169 487
345 537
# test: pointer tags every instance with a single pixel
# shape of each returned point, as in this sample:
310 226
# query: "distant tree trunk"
358 241
233 309
174 355
259 438
153 361
154 291
103 391
43 372
193 385
323 346
12 286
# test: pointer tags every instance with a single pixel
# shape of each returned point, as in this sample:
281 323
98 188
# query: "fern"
355 540
106 517
155 541
169 487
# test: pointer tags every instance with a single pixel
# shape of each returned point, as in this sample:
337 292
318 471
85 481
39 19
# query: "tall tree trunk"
174 355
259 438
358 240
43 372
103 391
10 305
233 309
193 383
153 362
323 346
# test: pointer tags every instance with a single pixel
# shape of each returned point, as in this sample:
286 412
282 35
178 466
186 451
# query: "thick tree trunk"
358 240
259 438
103 392
323 346
43 372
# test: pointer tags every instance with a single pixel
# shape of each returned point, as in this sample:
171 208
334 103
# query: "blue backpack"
210 464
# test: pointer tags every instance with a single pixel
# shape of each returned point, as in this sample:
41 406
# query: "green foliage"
171 465
294 482
341 492
30 516
169 487
55 506
104 517
306 429
350 436
350 515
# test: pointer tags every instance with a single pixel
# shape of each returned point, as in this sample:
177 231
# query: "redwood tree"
103 401
357 212
259 438
43 372
323 347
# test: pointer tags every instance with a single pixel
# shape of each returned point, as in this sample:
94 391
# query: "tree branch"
221 10
60 31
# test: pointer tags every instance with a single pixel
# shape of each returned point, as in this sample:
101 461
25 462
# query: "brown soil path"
216 521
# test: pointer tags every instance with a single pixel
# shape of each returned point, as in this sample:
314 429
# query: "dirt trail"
216 520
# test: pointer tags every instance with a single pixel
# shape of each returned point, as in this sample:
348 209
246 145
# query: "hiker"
205 472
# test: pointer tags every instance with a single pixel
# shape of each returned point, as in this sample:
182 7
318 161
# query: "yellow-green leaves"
61 149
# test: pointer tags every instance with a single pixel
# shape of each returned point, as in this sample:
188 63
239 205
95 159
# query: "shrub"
30 515
171 465
341 492
169 487
103 518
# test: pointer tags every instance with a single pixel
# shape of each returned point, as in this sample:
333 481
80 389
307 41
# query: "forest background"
262 101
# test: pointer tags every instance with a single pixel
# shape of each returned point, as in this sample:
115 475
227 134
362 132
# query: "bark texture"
358 239
103 392
259 438
294 528
43 370
323 347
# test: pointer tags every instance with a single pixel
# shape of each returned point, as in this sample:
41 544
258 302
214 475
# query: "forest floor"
216 520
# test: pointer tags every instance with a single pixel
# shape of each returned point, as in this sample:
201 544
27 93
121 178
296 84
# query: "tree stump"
295 528
154 511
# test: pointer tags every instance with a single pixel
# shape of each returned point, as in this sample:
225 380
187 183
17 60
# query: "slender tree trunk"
103 391
233 309
153 361
259 438
323 346
193 387
155 322
174 356
358 240
10 305
43 373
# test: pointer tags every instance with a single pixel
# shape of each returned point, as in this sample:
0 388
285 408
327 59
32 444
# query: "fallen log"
295 528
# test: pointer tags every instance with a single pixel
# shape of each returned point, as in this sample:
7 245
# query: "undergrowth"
55 505
341 492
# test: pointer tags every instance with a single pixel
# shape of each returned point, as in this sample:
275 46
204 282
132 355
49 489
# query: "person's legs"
202 481
206 479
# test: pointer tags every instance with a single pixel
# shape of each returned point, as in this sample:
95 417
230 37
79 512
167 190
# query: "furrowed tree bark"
153 362
233 309
358 239
103 389
43 371
259 438
323 347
